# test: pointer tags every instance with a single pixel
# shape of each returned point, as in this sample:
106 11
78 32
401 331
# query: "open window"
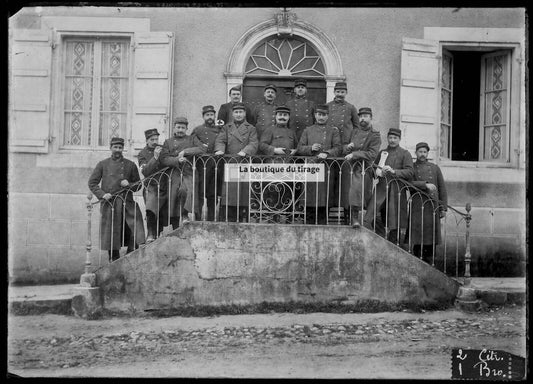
458 98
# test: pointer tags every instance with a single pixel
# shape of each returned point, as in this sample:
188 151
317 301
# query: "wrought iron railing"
304 200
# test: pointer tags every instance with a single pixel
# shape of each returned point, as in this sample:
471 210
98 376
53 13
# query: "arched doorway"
279 61
254 43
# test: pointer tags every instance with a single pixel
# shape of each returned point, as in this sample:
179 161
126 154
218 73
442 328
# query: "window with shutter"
471 87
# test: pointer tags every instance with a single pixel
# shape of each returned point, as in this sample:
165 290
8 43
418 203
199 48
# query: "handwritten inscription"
486 364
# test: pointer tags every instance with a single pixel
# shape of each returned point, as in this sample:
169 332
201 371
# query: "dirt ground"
392 345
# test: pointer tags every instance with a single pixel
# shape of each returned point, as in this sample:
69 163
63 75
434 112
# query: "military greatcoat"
366 147
401 161
263 116
181 175
422 224
207 136
155 186
329 138
232 140
106 178
225 112
302 114
277 137
343 115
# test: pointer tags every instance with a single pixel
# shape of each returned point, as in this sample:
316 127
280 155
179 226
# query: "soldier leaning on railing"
156 185
386 211
109 182
238 138
319 141
426 208
174 155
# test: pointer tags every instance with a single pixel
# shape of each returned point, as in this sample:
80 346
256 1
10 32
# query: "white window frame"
491 39
61 94
64 26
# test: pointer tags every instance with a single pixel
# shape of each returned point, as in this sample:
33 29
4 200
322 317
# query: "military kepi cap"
322 108
422 145
116 140
270 86
395 132
181 120
366 110
283 108
208 108
150 132
238 106
298 82
341 85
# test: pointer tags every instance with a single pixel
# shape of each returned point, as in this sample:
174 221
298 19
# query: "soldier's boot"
355 217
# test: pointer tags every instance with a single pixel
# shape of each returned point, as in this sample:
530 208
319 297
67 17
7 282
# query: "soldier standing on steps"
428 208
263 114
113 182
155 187
385 209
176 154
363 146
302 109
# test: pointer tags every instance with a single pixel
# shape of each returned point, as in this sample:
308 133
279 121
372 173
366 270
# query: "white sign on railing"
289 172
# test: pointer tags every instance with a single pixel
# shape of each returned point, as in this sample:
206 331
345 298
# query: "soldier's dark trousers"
115 253
427 252
230 212
316 216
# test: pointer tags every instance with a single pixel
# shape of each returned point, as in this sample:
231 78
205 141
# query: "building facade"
454 78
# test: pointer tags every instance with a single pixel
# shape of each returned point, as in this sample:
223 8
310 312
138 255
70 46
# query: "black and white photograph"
223 190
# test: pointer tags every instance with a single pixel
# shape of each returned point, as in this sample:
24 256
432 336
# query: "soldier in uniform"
113 183
279 139
239 139
424 227
209 182
363 147
319 141
225 113
263 114
155 191
302 109
398 166
342 115
173 155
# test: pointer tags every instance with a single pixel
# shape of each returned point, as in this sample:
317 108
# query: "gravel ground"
411 345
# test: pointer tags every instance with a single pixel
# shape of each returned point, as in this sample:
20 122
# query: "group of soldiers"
298 128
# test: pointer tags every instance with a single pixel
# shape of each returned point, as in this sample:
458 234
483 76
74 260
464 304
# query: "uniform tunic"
149 166
181 183
277 137
302 114
401 161
231 140
330 140
207 135
225 112
343 115
366 147
426 172
106 178
263 116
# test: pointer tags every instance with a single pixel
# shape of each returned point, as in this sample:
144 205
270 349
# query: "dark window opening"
465 120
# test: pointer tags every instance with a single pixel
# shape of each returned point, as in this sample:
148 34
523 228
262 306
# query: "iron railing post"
468 218
88 279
